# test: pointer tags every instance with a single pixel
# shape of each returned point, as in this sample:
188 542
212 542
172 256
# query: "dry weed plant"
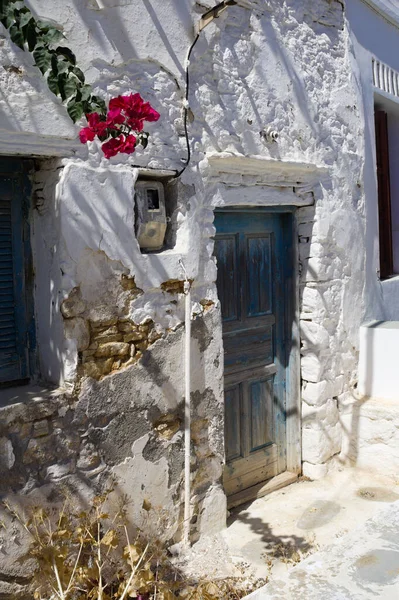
93 555
290 554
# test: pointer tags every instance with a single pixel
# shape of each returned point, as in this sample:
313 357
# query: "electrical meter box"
150 215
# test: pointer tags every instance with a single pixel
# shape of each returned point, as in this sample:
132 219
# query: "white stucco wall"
283 66
375 36
299 67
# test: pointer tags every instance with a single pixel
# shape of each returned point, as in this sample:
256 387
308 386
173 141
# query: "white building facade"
281 188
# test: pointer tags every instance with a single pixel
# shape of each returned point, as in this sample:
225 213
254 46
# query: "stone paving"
364 564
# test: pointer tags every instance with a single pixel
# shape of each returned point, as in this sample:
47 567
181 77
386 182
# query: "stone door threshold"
261 489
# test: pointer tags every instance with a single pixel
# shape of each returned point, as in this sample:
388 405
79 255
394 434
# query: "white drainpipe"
187 413
187 407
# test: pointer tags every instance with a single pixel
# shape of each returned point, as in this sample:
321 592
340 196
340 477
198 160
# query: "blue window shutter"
13 325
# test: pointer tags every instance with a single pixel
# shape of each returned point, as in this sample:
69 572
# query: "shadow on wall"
111 23
243 80
208 65
323 336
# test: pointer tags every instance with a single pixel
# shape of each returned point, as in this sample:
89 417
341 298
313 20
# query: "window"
387 152
16 310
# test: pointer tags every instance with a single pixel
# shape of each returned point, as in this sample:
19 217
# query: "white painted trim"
385 79
293 397
12 143
385 10
270 171
224 196
383 94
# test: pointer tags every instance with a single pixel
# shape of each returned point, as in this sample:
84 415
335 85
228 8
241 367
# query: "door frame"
293 378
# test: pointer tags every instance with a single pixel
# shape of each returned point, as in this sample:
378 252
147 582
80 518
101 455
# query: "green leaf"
69 55
42 57
85 91
143 138
17 37
62 65
30 35
7 21
100 104
52 82
24 16
67 85
54 62
87 107
75 110
70 87
7 17
53 36
49 33
79 74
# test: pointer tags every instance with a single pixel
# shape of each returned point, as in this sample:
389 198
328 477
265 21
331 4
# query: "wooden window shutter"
384 194
13 353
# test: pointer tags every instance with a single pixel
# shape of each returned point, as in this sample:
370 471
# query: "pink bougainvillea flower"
130 144
136 124
125 144
97 126
135 109
114 116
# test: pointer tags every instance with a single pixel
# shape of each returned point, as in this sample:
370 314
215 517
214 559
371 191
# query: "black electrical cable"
212 11
186 107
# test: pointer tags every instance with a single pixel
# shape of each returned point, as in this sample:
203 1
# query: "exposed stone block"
58 471
40 428
78 328
134 336
101 321
153 336
142 346
320 416
112 349
92 369
213 511
337 385
41 450
311 368
126 326
110 334
167 426
7 456
173 286
319 444
106 365
317 393
88 458
314 335
73 306
314 472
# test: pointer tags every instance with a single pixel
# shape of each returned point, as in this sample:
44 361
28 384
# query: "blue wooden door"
254 266
13 237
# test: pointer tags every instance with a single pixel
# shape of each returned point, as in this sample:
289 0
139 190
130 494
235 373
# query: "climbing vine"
114 127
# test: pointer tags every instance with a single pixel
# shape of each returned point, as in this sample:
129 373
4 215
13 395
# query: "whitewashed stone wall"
285 65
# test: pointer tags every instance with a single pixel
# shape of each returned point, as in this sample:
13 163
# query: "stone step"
378 359
371 435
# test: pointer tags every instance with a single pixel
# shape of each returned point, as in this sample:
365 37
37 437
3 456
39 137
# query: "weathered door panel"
251 250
